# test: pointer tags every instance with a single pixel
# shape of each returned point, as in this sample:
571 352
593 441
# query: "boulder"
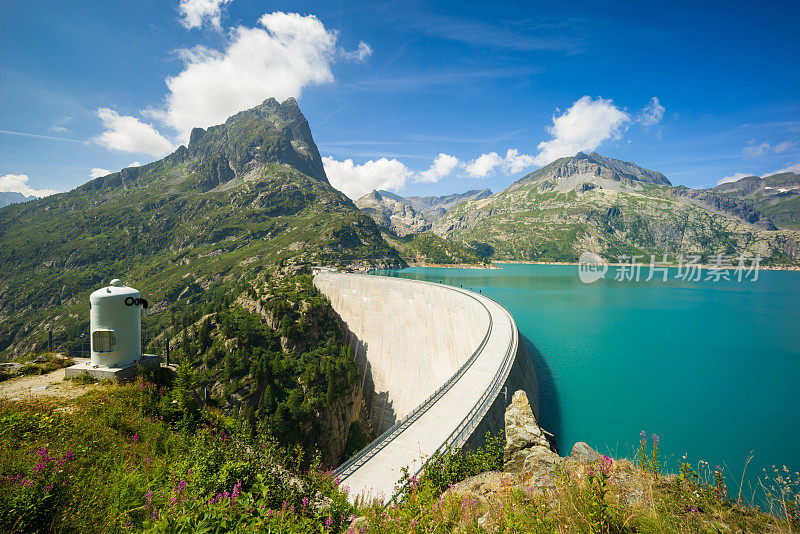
483 486
528 452
582 452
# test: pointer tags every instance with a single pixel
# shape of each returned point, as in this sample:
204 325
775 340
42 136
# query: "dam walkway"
438 356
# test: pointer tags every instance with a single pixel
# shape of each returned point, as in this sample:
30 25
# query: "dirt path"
49 385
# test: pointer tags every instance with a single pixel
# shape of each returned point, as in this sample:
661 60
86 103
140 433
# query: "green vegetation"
279 367
427 247
120 459
115 461
546 217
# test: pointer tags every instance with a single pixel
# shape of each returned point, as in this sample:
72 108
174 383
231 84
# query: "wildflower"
605 465
135 438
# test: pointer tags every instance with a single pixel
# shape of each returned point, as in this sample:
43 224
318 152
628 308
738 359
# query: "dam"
438 367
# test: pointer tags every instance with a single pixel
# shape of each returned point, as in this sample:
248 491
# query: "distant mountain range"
776 196
251 196
7 198
615 208
410 215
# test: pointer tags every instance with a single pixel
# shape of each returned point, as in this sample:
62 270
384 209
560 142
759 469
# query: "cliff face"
270 133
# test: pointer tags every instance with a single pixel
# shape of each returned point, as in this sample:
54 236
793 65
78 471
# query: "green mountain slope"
777 196
242 197
613 208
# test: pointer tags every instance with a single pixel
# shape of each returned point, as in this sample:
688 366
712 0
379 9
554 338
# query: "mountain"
7 198
392 212
777 196
410 215
613 208
245 197
432 208
405 225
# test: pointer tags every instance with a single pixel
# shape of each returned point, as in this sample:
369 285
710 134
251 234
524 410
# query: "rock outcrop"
528 452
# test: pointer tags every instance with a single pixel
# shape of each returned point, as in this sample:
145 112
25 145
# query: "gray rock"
582 452
528 452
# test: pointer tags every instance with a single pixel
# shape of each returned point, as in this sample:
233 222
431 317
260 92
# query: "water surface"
712 367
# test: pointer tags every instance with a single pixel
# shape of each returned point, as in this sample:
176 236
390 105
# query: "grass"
127 458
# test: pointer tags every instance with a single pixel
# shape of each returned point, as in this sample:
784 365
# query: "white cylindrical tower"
115 324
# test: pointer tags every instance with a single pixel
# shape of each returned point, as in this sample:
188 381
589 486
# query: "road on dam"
435 360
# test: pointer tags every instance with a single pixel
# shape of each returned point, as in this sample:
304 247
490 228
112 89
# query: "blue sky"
420 97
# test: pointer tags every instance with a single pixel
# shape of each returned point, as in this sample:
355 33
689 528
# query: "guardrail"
468 424
347 468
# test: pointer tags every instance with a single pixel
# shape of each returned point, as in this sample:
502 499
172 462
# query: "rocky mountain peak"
270 133
573 172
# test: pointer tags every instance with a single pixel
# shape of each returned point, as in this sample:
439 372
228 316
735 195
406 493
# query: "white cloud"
134 164
57 129
357 180
754 150
129 134
582 127
289 53
516 162
795 167
97 172
194 12
487 164
18 183
443 165
483 165
652 113
359 55
734 178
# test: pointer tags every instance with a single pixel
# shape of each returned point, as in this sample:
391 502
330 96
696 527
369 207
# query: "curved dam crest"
438 366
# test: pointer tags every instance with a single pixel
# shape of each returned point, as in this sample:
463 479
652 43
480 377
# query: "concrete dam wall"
438 365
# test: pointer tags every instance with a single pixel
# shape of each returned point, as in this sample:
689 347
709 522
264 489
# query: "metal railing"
465 428
348 467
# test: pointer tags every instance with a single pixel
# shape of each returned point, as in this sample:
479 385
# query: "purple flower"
605 465
135 437
655 440
237 489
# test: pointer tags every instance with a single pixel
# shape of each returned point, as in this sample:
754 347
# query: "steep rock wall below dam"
411 338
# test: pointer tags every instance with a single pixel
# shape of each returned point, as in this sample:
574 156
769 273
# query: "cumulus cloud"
583 127
18 183
483 165
129 134
652 113
357 180
487 164
134 164
278 58
194 12
515 162
734 178
442 166
97 172
358 55
289 52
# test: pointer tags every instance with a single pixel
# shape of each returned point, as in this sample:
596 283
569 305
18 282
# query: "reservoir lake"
712 367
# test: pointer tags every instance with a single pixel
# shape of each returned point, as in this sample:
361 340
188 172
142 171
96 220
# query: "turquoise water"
713 368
